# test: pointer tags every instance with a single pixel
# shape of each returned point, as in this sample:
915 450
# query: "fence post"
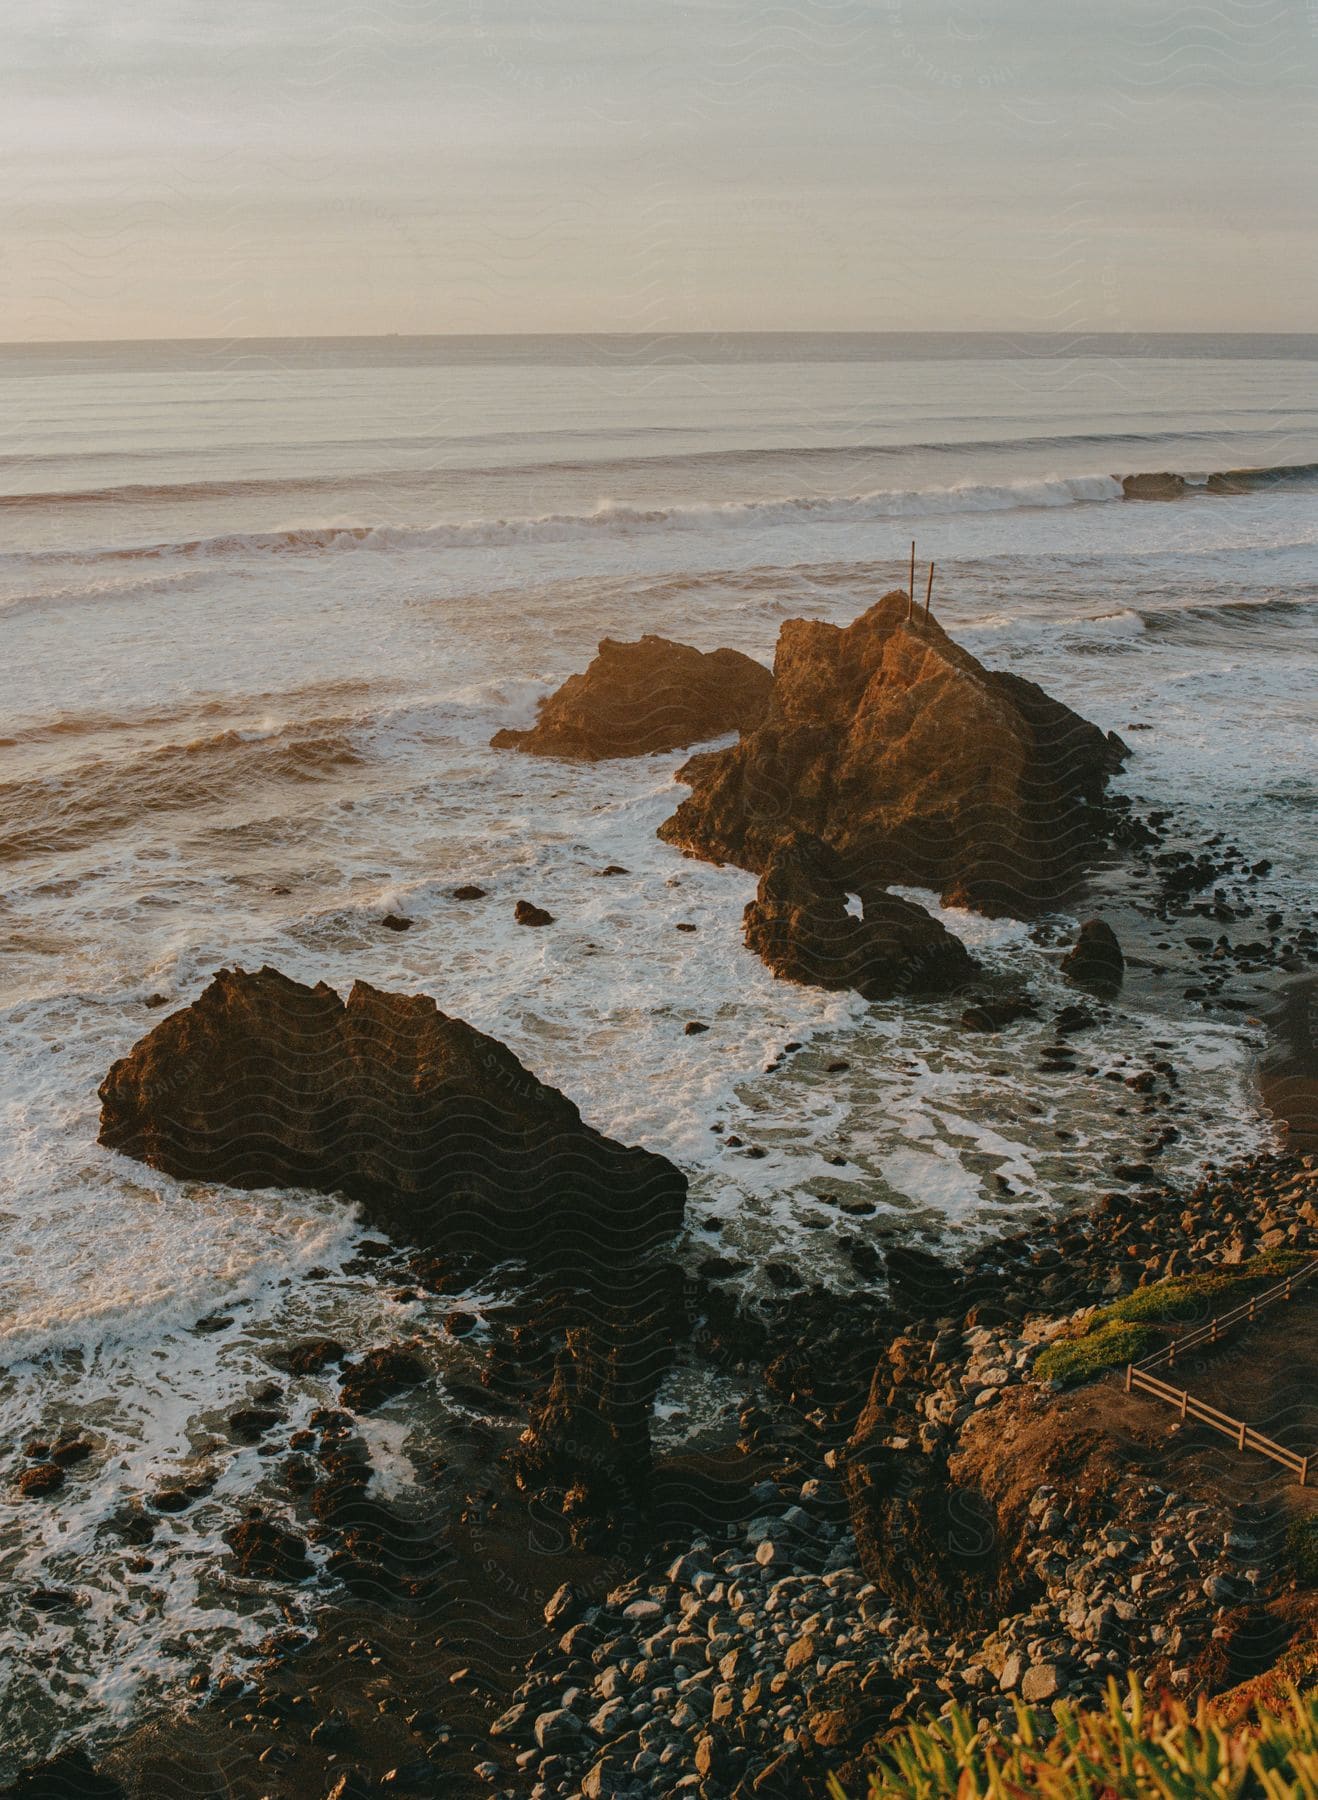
1130 1376
1304 1471
1240 1441
1185 1401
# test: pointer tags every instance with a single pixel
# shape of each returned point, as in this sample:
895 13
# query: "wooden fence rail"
1244 1436
1140 1377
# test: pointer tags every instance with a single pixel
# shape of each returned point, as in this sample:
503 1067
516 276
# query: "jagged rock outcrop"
914 762
651 695
799 923
438 1131
586 1449
1095 961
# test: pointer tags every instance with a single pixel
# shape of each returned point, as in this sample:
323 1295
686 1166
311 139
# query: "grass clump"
1113 1752
1123 1332
1111 1346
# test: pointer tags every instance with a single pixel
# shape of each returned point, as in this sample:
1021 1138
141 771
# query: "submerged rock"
799 923
914 762
1095 961
639 698
438 1131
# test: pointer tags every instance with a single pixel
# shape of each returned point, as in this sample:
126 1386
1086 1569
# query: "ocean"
263 604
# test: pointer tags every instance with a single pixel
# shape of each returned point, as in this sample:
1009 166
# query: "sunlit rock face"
912 761
639 698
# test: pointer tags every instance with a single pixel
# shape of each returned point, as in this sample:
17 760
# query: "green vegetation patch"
1114 1751
1120 1333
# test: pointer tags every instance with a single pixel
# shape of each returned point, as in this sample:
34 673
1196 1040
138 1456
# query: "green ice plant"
1120 1751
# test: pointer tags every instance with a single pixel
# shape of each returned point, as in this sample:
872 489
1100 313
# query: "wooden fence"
1139 1376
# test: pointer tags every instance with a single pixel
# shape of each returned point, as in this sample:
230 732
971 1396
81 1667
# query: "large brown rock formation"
913 761
437 1130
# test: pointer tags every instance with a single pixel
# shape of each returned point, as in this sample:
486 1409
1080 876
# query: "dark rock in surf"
911 760
1095 961
995 1012
40 1479
437 1131
469 891
1163 486
799 924
264 1550
527 913
377 1376
639 698
309 1356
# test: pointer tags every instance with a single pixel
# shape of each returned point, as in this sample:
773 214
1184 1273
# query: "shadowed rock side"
913 761
437 1130
639 698
1095 960
799 924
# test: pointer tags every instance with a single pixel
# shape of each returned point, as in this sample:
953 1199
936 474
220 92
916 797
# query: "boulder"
1095 961
437 1131
652 695
911 760
526 912
799 923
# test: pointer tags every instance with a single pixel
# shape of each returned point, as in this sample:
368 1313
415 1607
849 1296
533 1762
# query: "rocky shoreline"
903 1513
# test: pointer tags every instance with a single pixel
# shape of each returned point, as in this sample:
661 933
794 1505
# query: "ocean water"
262 606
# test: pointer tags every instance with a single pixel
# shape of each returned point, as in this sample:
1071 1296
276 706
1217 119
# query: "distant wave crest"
614 519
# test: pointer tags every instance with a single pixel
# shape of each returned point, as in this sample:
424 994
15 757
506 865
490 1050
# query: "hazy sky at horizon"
273 167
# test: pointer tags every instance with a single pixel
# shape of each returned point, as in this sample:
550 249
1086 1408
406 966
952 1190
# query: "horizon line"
329 337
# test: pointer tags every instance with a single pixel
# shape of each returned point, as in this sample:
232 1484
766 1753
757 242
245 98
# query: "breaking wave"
611 519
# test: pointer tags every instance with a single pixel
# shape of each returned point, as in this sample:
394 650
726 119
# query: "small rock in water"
469 891
694 1027
377 1375
526 913
396 922
262 1548
40 1479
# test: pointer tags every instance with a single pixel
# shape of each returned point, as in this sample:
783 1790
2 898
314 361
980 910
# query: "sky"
173 168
